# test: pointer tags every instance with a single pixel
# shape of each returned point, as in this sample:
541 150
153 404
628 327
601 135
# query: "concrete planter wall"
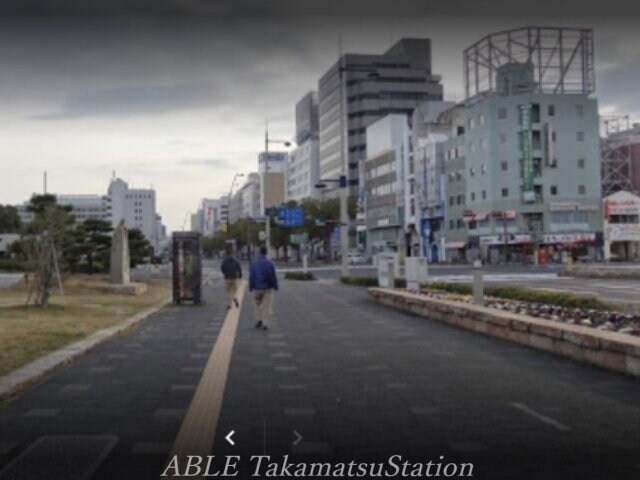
614 351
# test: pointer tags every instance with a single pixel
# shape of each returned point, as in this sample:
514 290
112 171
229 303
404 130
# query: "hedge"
299 276
370 281
11 265
561 299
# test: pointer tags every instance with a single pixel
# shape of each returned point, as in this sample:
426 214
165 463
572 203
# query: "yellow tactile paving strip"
198 428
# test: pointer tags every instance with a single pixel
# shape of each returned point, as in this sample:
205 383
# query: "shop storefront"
621 227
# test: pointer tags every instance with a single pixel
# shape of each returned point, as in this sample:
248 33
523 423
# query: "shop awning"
453 245
481 216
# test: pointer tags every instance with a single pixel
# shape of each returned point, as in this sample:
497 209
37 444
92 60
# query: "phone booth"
186 259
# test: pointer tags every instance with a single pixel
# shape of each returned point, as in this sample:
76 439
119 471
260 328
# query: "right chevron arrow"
298 438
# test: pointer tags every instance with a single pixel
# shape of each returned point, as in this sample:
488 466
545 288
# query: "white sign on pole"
262 236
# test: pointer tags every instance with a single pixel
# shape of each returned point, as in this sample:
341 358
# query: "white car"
355 258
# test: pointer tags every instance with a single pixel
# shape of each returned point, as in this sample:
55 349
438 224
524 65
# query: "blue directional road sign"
290 217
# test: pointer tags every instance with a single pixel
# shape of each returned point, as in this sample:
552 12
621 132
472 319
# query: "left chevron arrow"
228 437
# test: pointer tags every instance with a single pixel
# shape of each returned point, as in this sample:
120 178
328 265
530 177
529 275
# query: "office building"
303 163
271 182
523 180
362 88
137 207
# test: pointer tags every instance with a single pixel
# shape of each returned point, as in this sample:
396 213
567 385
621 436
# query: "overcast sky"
177 98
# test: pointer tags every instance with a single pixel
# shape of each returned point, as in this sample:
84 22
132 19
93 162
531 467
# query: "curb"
20 379
609 350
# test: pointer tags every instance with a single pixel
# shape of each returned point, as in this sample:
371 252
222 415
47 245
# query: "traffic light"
343 181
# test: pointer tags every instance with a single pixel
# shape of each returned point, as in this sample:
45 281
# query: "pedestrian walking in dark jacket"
232 273
263 282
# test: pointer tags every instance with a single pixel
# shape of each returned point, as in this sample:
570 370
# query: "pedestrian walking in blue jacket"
263 282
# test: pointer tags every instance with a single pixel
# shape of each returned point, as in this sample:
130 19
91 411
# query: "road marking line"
198 429
543 418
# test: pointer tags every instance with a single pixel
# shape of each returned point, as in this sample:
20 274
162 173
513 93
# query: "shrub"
371 281
360 281
11 265
521 294
299 276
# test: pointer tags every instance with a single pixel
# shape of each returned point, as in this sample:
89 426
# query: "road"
356 381
9 279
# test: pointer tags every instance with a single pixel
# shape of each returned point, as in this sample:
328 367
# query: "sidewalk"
336 377
125 400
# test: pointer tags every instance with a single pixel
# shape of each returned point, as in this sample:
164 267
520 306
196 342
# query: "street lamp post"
233 182
344 157
267 141
344 219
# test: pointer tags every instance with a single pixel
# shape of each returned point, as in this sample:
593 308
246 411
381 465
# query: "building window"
483 169
472 171
483 144
460 199
505 192
458 175
451 200
579 110
460 223
504 166
473 196
481 119
553 136
484 194
580 136
582 190
553 189
551 110
503 138
471 123
452 225
502 113
581 163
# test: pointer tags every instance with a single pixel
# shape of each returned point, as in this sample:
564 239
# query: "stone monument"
120 266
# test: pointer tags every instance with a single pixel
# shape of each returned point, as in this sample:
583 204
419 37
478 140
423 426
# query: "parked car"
355 258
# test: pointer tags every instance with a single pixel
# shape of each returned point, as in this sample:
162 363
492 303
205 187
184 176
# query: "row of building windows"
553 190
138 195
502 113
381 170
386 189
565 217
504 166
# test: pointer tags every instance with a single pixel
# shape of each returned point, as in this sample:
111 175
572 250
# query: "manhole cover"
60 457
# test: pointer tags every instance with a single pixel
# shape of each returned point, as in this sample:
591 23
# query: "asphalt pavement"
335 378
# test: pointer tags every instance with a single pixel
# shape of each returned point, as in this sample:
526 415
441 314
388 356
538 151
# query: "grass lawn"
27 333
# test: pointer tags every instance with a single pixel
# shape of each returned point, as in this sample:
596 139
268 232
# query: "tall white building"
137 207
303 165
390 205
272 179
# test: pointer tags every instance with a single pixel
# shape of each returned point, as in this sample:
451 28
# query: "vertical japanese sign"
528 194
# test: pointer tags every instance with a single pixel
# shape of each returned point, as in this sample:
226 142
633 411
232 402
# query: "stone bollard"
478 285
305 263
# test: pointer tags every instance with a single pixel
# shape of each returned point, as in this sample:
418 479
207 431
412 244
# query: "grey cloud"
206 162
233 8
133 100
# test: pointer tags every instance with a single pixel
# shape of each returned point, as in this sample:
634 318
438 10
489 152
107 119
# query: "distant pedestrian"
232 273
262 282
